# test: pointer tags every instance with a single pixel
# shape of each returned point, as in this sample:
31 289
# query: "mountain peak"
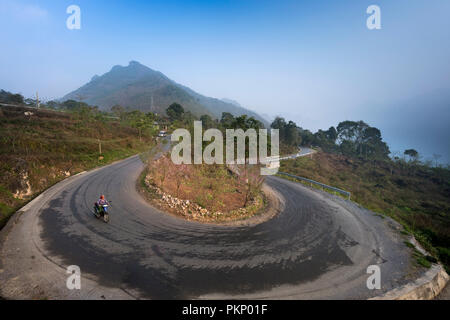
137 86
117 67
131 64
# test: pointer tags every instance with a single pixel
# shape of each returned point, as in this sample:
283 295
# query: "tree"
227 120
252 123
142 122
346 131
331 134
326 139
251 180
347 147
307 137
17 98
188 119
180 174
8 97
413 154
288 131
436 158
291 134
280 124
51 104
352 131
207 121
240 122
118 110
163 169
357 138
175 112
372 144
71 105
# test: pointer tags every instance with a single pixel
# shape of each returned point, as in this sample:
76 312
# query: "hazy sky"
314 62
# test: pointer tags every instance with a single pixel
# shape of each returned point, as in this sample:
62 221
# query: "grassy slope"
414 195
43 148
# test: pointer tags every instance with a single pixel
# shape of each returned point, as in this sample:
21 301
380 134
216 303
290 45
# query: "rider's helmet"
102 197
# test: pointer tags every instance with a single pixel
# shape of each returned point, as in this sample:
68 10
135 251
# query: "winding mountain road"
317 247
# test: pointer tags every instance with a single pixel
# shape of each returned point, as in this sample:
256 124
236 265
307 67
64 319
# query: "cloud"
22 11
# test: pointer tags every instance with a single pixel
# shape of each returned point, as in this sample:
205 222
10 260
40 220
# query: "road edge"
14 219
16 216
426 287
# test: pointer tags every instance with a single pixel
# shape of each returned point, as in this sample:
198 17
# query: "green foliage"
118 110
444 255
409 244
308 138
227 120
289 134
413 194
413 154
326 139
144 123
357 138
10 98
207 122
5 213
175 112
288 131
421 260
244 122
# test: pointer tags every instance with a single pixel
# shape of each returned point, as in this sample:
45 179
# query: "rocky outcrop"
24 189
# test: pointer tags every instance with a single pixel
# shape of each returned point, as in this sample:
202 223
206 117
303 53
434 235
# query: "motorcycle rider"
102 201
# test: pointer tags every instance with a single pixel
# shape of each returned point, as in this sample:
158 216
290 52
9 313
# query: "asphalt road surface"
317 247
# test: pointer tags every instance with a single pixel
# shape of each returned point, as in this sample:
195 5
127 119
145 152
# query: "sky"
313 62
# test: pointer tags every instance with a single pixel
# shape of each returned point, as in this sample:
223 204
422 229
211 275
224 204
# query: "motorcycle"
102 212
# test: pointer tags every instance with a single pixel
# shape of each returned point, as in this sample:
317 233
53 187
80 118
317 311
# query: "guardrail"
345 193
8 105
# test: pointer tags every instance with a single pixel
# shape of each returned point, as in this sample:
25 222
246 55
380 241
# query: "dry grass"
416 196
39 150
213 187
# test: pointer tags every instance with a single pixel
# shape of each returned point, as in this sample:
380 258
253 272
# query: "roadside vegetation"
39 147
353 157
208 193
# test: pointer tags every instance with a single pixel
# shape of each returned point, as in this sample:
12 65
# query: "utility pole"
99 146
37 100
